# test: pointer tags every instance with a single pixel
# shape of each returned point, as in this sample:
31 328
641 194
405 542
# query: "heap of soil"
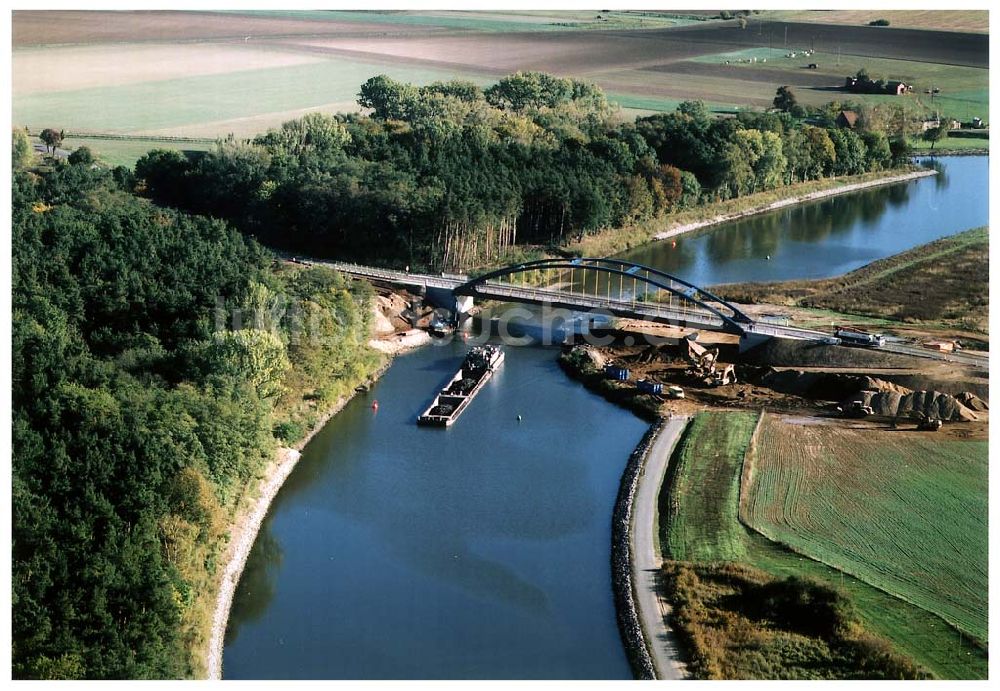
930 403
780 352
972 401
595 357
826 386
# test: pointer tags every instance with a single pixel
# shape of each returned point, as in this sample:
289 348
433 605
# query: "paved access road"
646 560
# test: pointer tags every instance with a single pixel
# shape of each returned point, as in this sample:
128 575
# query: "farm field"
208 105
964 91
944 20
705 469
187 74
903 511
525 20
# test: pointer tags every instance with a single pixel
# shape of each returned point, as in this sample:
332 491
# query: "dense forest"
451 175
156 356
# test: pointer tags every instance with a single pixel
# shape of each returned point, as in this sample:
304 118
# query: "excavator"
704 365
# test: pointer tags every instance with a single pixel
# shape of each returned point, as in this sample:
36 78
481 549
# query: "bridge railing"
582 300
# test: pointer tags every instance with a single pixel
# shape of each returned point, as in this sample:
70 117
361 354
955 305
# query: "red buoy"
375 405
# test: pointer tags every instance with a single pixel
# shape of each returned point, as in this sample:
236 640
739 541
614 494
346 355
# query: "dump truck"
860 338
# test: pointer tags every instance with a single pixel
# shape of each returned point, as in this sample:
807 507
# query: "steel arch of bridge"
729 314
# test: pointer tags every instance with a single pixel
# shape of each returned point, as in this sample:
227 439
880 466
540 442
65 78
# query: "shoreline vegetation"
246 524
614 241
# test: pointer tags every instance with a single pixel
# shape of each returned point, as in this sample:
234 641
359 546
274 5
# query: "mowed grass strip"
157 105
703 497
125 152
903 511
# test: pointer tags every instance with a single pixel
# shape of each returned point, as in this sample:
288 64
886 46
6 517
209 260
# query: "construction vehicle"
927 423
856 409
721 377
860 338
705 366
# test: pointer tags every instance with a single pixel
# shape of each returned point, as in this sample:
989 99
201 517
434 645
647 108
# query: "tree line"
451 175
141 414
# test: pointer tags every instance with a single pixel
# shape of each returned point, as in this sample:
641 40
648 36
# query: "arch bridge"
613 286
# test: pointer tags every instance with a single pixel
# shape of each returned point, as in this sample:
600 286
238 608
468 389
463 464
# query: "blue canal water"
482 551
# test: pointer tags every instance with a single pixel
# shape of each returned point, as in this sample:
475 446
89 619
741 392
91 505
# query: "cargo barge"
479 366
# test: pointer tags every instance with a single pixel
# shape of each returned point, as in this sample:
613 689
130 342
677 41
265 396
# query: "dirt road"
651 608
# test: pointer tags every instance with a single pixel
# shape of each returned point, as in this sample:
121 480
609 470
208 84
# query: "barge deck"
454 398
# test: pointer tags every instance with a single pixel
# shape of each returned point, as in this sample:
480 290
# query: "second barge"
479 366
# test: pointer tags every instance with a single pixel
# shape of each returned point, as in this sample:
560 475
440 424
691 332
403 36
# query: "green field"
905 512
125 152
951 144
700 523
704 525
195 106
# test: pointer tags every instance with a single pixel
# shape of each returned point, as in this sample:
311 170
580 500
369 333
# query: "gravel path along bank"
621 561
246 524
791 201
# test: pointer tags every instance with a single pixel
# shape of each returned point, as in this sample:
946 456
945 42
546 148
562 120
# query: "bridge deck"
651 311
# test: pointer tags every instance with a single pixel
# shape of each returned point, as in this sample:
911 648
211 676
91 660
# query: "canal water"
482 551
831 236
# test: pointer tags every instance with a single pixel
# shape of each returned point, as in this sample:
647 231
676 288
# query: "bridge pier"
463 305
752 340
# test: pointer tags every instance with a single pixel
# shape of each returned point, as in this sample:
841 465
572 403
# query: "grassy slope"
945 281
904 512
704 517
925 637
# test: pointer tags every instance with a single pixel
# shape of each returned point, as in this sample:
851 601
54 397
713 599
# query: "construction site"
671 371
